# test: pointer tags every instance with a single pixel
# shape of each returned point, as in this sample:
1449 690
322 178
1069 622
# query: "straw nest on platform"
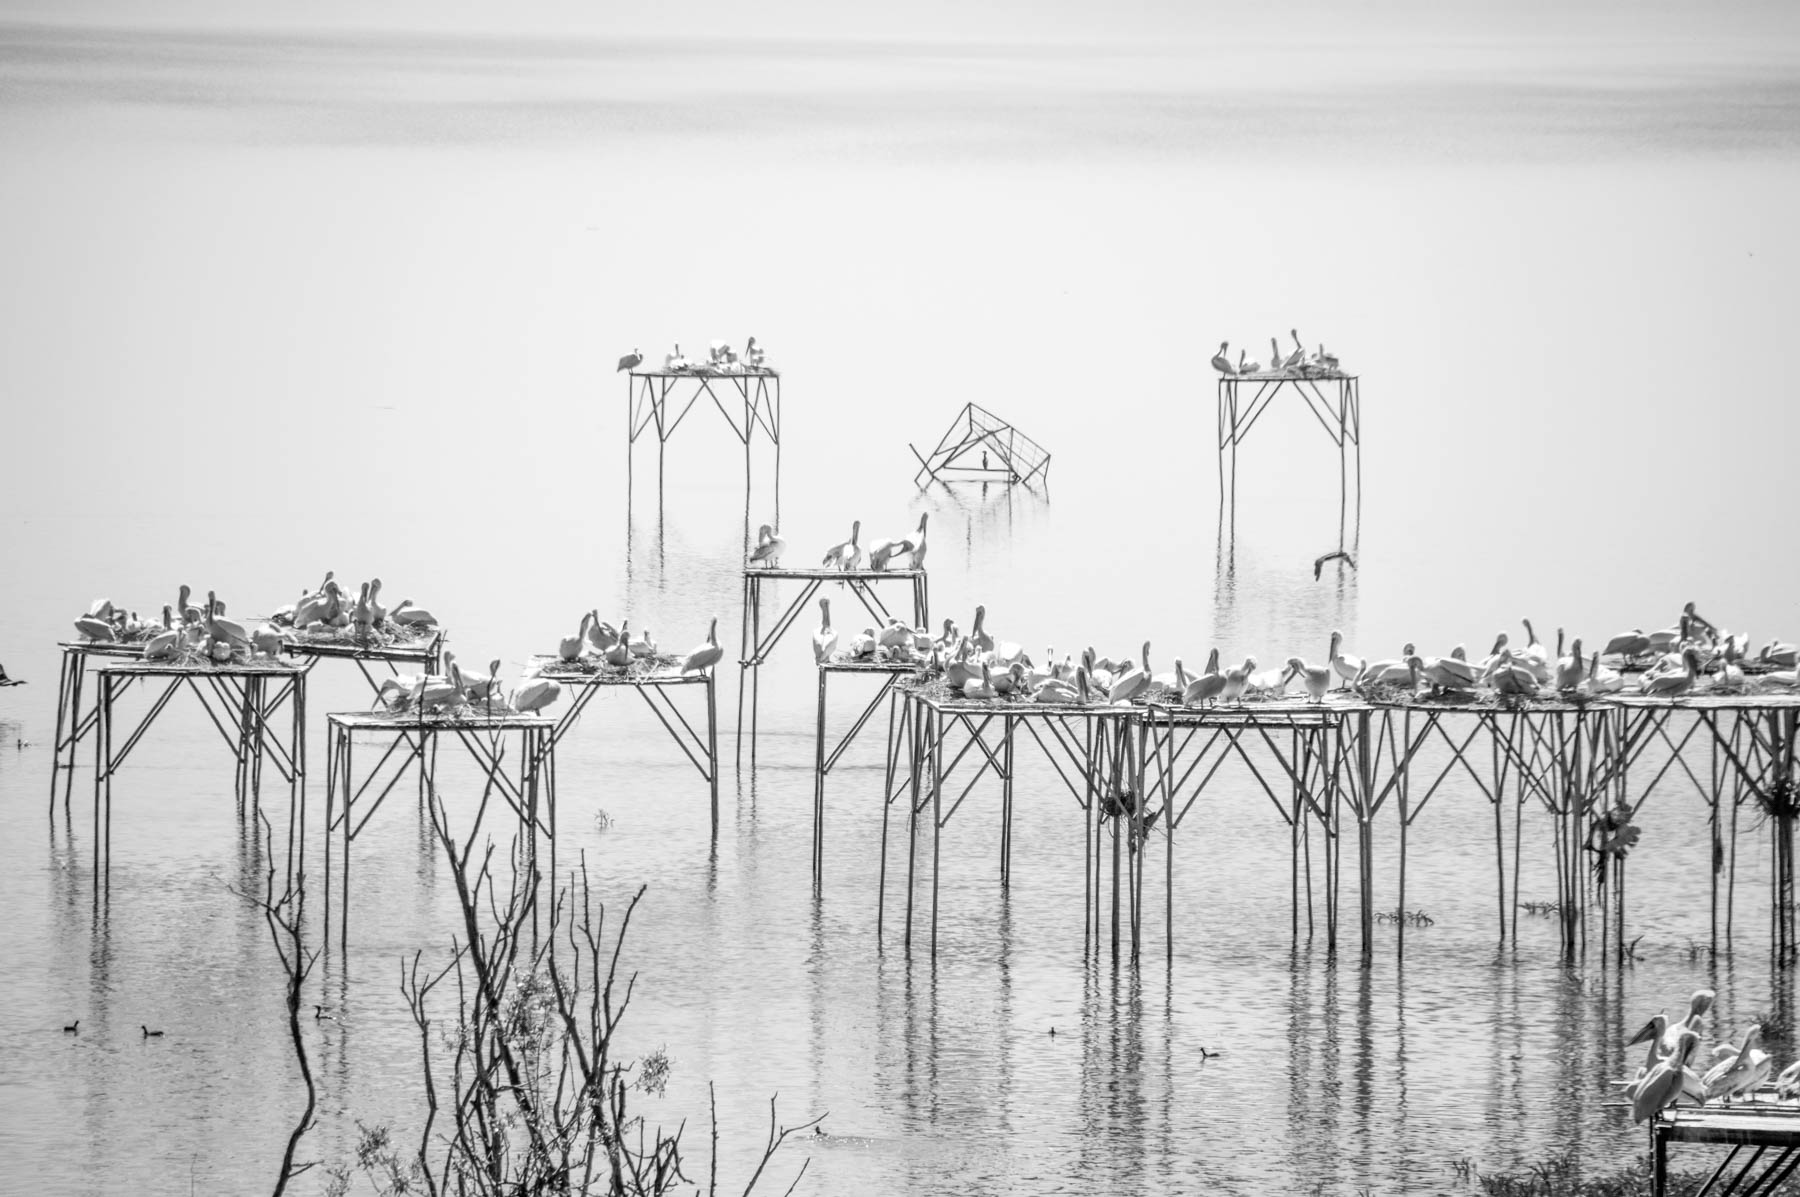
654 665
386 634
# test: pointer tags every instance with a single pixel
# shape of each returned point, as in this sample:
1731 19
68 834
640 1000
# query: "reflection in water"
1283 596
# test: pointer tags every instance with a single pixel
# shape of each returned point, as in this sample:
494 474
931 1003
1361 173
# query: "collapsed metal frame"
660 400
973 428
701 752
414 741
1337 406
73 725
754 645
1337 764
241 701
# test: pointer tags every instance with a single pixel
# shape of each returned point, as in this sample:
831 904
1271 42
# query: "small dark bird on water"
73 1028
9 681
148 1033
1319 565
1206 1055
320 1015
1052 1032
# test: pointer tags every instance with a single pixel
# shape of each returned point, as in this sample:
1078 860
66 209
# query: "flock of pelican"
721 359
597 646
330 609
900 552
455 693
1672 1073
1297 361
1687 656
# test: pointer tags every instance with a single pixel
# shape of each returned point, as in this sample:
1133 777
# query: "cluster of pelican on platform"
1296 361
456 693
846 556
1674 1072
1690 655
598 647
721 359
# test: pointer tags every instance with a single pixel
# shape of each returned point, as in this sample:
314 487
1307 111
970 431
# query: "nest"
461 712
596 667
386 634
188 657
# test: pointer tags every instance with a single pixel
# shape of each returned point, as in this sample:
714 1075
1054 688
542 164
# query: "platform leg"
818 845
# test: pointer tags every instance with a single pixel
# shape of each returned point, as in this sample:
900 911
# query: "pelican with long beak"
1740 1072
1276 361
1675 684
1316 677
643 645
1221 362
1627 645
1653 1033
1662 1087
1208 686
1343 664
1510 678
1133 680
570 648
228 630
535 694
916 555
981 685
1602 680
600 634
1569 669
1236 679
845 556
1296 358
824 641
978 636
708 654
619 654
768 550
1245 366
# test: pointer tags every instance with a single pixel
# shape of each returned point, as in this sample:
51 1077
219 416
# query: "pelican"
1627 644
958 671
1012 681
1569 669
1177 681
1296 358
981 686
409 616
266 640
1506 676
883 550
618 654
1739 1072
94 629
824 641
630 361
1601 680
1787 1085
535 694
1670 639
1777 652
1268 683
1533 656
1662 1086
229 630
1133 681
182 600
917 555
1208 686
1698 1005
1697 620
1056 690
769 546
862 644
376 609
896 636
1348 667
977 636
1276 362
162 646
674 361
1317 678
1653 1032
1449 673
1675 684
706 655
1391 672
364 615
753 354
845 556
570 648
1247 367
1236 680
1220 361
600 634
643 646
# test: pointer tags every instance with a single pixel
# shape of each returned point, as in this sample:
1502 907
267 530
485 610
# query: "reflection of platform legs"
350 804
73 725
702 751
242 707
755 645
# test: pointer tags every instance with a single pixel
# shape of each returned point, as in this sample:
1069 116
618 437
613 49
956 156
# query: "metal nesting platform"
1740 1127
241 701
425 653
653 686
659 400
825 760
72 723
413 740
1334 399
755 645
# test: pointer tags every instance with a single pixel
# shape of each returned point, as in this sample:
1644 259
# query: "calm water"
289 304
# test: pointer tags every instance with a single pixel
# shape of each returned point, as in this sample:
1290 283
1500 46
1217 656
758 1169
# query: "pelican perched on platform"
228 630
409 616
916 554
1661 1088
1277 363
884 550
93 628
535 694
1509 677
1450 673
1221 362
1627 644
845 556
642 645
1316 677
1653 1032
1600 679
1570 669
674 359
1533 656
1246 366
630 361
769 546
618 654
1236 679
1208 686
1777 652
706 655
1393 671
1676 682
824 641
1297 358
978 636
1346 666
1133 681
600 634
1739 1072
981 685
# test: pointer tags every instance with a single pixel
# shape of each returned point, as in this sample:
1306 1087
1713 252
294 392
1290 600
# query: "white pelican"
896 635
600 634
884 550
1777 652
980 686
1236 680
1627 644
1208 686
1662 1087
1787 1085
1569 669
1012 681
1296 358
229 630
376 608
162 645
1220 361
1506 676
1450 673
1533 656
94 629
1674 685
1600 679
1178 681
1653 1033
363 616
916 557
824 641
185 597
1739 1072
845 556
1670 639
1698 622
1131 682
753 354
1276 361
1394 671
535 695
769 546
1267 683
630 361
1247 367
1317 678
407 615
618 654
958 669
708 654
1698 1005
643 645
570 648
1056 690
674 361
977 635
1348 667
265 640
862 644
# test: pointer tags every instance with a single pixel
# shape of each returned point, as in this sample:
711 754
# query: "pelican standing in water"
844 556
1220 361
708 654
824 641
